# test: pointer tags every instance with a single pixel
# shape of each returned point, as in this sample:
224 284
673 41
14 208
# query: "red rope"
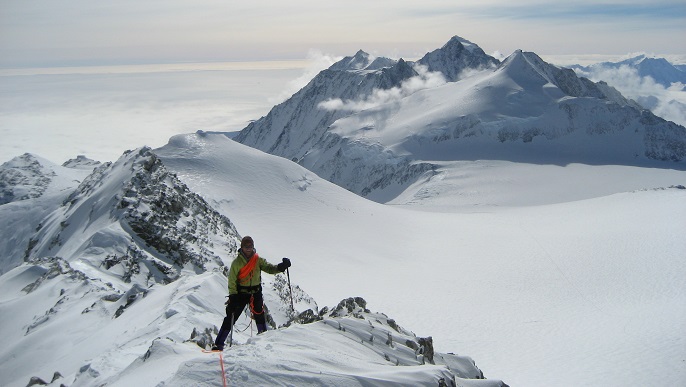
221 361
248 268
246 271
252 305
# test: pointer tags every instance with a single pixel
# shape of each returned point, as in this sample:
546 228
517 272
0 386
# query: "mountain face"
375 133
294 127
654 83
30 189
90 244
298 124
457 56
138 220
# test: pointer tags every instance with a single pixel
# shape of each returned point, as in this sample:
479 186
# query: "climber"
245 288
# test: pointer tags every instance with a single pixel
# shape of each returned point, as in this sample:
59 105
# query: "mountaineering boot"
261 328
216 347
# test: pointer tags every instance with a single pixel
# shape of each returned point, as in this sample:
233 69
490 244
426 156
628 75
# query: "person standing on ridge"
245 288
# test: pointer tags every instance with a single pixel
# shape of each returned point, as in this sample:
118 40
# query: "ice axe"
288 274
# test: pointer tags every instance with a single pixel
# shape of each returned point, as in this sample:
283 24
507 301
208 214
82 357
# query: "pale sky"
87 32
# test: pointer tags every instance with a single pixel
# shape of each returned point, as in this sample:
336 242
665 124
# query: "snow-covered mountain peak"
81 162
138 220
362 61
30 176
661 71
658 69
24 177
530 71
381 62
372 130
456 56
358 61
643 60
456 41
526 67
634 60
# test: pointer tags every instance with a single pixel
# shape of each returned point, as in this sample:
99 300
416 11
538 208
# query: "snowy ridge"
157 225
377 140
350 345
128 267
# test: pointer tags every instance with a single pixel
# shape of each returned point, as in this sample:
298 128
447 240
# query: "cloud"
664 10
317 61
101 112
667 103
498 55
424 80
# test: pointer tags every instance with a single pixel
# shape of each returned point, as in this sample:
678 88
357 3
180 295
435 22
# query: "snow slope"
584 290
46 184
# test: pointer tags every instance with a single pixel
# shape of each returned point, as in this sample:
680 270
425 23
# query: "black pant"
234 310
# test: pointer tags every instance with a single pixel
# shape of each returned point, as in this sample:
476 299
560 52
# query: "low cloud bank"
378 97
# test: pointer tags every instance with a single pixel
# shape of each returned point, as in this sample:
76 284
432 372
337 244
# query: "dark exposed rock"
350 306
36 381
23 177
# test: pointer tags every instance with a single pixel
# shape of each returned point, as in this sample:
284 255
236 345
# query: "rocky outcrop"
23 177
163 227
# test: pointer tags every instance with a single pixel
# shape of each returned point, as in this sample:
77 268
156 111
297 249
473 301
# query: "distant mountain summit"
659 69
23 177
456 56
359 61
527 69
376 129
294 126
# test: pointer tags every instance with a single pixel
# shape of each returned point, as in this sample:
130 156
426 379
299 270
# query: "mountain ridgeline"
659 69
159 225
375 124
133 262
